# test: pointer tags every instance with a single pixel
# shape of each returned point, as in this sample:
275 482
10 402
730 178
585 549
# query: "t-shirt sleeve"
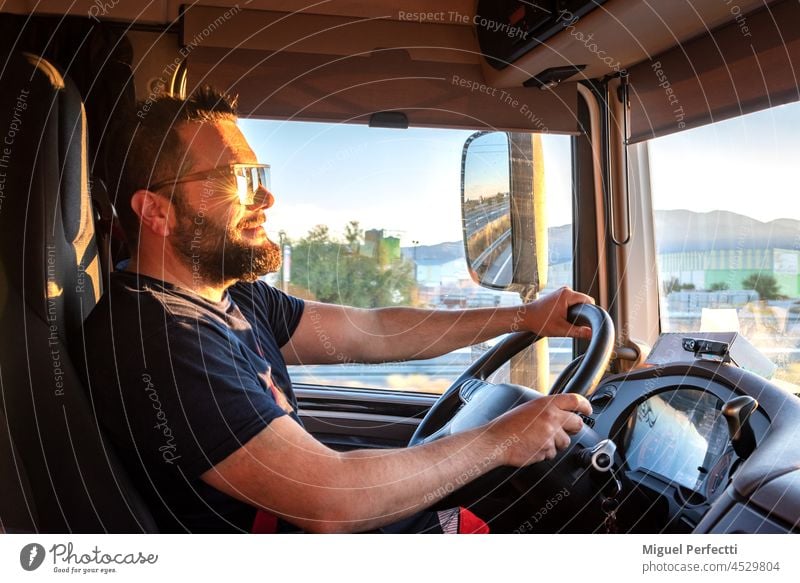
281 311
198 400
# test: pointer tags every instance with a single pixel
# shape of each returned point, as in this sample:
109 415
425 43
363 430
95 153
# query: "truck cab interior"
695 418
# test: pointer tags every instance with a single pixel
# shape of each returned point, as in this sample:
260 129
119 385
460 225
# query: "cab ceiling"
329 66
165 12
341 60
619 33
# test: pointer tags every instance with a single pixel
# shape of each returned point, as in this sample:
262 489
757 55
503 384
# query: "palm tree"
765 284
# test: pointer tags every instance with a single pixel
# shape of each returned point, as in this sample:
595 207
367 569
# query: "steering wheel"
471 401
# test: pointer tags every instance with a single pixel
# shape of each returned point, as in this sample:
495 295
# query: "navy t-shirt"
179 383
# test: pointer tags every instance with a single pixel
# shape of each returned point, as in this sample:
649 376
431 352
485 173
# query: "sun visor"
699 82
271 62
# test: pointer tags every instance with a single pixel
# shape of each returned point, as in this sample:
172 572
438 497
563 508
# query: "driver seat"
67 475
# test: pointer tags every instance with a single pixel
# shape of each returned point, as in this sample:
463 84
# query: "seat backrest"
50 279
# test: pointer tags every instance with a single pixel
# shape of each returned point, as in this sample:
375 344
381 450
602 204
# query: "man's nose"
263 199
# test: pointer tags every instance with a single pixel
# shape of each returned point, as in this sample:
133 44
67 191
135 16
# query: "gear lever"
737 413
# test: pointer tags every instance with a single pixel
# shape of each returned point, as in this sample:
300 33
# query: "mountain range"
676 231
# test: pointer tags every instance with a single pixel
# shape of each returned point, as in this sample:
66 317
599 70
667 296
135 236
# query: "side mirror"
497 206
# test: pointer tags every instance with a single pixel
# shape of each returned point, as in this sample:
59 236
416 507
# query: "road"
501 269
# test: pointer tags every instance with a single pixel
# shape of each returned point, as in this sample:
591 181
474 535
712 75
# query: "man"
189 352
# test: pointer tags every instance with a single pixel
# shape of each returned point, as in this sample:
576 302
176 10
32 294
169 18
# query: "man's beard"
214 253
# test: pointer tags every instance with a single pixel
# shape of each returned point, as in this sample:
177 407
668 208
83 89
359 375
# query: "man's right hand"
539 429
287 472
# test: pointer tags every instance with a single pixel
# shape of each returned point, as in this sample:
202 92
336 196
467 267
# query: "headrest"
47 248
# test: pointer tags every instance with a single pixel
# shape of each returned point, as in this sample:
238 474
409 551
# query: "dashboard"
675 456
697 446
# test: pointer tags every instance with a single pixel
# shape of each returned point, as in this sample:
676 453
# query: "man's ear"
155 212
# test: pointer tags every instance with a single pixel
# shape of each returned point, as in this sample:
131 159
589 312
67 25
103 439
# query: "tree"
327 270
353 234
765 284
318 234
673 285
719 286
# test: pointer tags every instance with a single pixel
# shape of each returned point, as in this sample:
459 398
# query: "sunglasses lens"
252 184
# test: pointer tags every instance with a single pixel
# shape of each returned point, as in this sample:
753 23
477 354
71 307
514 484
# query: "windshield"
371 217
727 220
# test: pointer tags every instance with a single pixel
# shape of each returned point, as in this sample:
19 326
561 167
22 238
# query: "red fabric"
265 523
469 523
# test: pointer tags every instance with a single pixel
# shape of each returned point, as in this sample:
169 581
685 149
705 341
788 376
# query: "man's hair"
149 148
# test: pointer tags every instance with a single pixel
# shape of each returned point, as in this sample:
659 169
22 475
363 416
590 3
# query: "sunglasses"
252 181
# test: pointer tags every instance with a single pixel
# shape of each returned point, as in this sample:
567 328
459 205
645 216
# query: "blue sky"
331 174
747 165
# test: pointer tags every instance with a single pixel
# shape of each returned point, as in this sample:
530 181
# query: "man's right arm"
284 470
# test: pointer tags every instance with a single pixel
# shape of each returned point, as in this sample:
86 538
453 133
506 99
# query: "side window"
728 231
371 218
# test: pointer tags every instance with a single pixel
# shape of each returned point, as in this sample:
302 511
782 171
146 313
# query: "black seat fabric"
50 280
17 511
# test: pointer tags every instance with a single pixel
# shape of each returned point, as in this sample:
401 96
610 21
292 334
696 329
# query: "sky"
486 169
408 181
405 181
748 165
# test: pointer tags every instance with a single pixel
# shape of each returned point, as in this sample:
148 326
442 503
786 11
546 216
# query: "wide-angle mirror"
498 211
486 208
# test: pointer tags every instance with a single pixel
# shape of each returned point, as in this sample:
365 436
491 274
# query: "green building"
378 245
732 267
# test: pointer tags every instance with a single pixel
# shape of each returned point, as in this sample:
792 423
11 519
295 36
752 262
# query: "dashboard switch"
601 456
602 398
737 413
589 421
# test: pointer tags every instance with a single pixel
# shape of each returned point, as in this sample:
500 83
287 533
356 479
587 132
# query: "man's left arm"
329 333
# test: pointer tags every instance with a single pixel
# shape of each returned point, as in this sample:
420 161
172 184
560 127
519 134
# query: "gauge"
673 433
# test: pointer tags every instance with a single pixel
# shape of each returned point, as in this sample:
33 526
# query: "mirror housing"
500 173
